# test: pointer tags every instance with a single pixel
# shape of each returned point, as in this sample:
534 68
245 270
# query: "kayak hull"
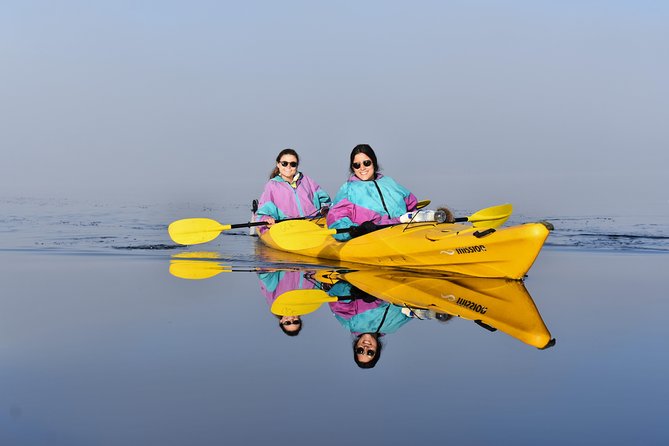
446 247
494 304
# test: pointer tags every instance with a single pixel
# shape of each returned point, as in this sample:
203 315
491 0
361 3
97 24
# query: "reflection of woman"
275 283
368 319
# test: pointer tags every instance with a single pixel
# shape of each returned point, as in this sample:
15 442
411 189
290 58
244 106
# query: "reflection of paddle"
301 234
203 269
195 269
300 302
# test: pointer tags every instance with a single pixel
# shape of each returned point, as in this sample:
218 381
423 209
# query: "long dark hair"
275 171
367 150
377 356
286 332
291 333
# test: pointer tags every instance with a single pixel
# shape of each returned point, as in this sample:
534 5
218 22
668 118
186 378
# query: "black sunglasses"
367 163
287 323
361 350
292 163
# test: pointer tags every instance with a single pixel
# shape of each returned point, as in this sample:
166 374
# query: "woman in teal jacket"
367 318
368 198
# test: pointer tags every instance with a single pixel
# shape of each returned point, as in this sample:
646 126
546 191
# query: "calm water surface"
105 341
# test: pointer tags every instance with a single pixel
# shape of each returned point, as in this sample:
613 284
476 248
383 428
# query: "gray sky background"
559 107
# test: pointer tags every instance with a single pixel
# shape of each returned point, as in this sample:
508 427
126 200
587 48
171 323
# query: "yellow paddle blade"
294 235
492 217
196 269
300 302
422 203
486 224
191 231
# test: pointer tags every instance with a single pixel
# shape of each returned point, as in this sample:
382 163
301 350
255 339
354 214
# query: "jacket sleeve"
321 198
340 213
266 206
411 202
399 199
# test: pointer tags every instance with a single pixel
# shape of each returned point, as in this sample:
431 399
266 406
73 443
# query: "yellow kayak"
494 304
507 252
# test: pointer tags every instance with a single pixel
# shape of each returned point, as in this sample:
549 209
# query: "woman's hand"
364 228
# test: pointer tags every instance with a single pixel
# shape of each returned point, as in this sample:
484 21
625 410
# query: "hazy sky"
559 107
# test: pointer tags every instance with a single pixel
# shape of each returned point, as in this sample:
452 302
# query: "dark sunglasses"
287 323
367 163
292 163
361 350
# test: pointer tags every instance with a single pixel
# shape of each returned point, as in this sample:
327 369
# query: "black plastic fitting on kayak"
479 234
548 225
484 325
549 345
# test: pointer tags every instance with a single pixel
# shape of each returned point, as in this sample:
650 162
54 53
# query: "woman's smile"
363 167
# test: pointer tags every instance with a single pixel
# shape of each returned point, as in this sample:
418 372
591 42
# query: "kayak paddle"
422 203
193 231
300 234
300 302
492 217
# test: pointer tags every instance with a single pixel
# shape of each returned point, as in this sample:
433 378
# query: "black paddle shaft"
263 223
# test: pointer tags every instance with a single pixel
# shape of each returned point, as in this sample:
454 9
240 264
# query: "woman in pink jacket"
289 193
275 283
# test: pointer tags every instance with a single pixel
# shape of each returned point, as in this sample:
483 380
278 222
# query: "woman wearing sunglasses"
289 193
275 283
368 198
368 320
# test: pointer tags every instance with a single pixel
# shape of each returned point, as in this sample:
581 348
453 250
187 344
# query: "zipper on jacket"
297 198
383 202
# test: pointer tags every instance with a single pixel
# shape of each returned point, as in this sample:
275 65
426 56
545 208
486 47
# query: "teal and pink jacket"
281 199
275 283
365 317
359 201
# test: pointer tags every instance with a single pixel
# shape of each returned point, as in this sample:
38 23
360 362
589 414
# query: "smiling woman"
368 198
367 350
290 193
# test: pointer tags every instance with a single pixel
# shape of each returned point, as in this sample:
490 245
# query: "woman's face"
363 167
290 323
366 348
287 166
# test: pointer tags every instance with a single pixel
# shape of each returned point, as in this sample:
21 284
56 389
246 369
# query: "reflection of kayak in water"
495 304
446 247
499 304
